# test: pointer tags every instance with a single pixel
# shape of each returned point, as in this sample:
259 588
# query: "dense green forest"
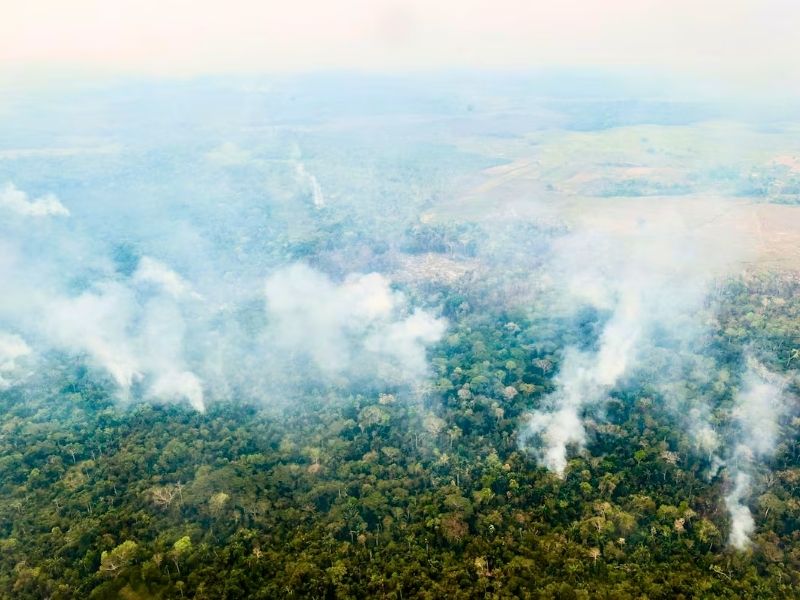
402 493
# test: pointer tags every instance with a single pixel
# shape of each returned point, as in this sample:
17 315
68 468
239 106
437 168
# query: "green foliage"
113 562
388 495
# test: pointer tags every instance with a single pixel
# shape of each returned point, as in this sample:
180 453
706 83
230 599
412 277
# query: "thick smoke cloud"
12 349
649 277
166 336
16 201
358 326
742 523
586 378
130 331
759 406
650 281
151 271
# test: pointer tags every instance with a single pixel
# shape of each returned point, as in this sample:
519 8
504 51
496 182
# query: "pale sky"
741 41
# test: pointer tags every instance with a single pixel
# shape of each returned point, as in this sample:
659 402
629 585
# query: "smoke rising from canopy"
649 274
759 405
651 278
239 278
158 338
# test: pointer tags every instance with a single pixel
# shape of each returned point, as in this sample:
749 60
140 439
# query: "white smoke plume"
759 406
311 181
585 378
12 349
16 201
166 336
742 523
151 271
95 323
650 276
133 334
356 326
652 280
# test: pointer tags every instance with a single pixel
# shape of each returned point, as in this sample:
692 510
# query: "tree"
217 503
453 527
163 495
794 354
543 364
180 548
114 562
